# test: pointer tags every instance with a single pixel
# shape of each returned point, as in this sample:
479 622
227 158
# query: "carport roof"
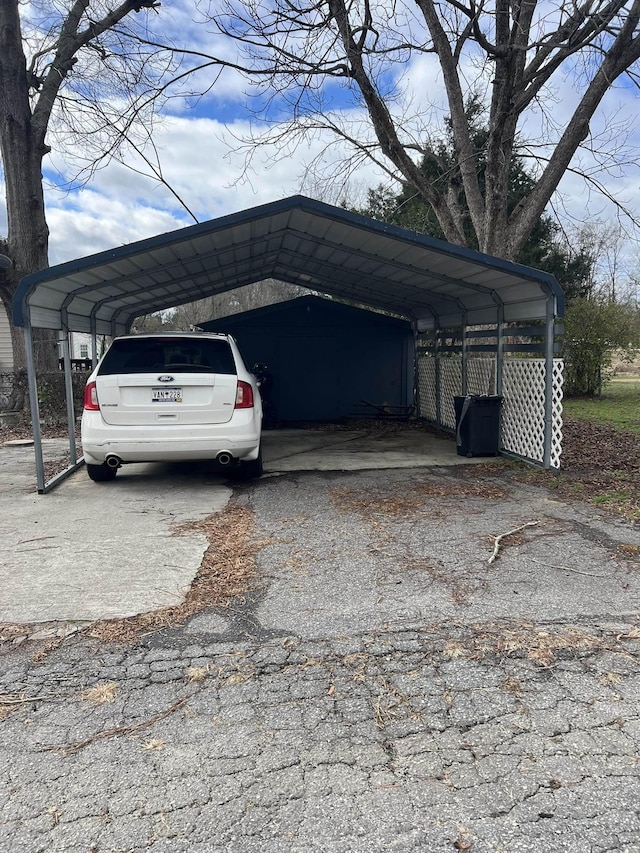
297 240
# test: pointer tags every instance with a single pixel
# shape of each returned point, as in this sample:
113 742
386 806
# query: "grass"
601 467
619 405
601 455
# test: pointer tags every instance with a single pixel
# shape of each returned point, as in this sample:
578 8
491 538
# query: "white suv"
170 397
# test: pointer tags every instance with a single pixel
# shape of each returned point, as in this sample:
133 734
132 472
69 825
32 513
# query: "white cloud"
96 222
121 206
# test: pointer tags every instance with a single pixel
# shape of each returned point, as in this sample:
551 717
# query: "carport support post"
33 405
68 386
94 343
499 350
465 353
413 369
438 376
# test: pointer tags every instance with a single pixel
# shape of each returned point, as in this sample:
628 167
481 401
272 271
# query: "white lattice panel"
556 432
481 375
450 387
523 409
427 387
523 404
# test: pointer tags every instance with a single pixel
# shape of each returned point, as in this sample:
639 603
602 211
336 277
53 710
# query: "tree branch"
497 540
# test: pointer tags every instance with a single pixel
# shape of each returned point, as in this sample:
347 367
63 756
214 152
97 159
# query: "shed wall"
326 358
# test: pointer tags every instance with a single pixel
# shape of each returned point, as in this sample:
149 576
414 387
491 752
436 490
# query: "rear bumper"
239 437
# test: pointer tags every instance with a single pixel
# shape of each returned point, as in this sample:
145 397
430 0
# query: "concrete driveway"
384 686
56 546
89 551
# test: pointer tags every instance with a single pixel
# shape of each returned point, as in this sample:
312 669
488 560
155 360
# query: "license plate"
166 395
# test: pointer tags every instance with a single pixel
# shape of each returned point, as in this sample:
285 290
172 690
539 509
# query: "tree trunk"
22 148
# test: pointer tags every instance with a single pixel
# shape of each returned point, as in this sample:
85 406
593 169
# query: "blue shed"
326 357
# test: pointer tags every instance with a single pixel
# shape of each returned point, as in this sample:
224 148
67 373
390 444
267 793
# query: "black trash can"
478 424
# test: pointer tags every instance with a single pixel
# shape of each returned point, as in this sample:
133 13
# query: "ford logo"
165 378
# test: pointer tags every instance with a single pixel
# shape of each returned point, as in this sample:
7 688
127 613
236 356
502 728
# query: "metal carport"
439 287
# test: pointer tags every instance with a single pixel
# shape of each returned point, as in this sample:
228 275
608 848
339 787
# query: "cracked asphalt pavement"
383 686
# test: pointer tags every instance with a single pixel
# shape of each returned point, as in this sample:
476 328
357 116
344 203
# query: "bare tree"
510 55
612 273
245 298
86 77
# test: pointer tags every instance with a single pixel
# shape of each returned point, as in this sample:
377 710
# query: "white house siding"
80 346
6 350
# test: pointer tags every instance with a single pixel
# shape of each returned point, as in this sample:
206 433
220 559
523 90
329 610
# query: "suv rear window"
186 355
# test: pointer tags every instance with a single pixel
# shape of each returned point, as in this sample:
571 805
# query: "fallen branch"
569 569
67 749
25 700
498 539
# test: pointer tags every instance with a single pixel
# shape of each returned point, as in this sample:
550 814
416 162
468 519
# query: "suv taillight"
91 397
244 395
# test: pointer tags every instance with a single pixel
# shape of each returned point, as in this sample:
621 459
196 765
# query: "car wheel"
252 469
101 473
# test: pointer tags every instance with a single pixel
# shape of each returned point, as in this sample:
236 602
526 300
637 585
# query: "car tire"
252 469
101 473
